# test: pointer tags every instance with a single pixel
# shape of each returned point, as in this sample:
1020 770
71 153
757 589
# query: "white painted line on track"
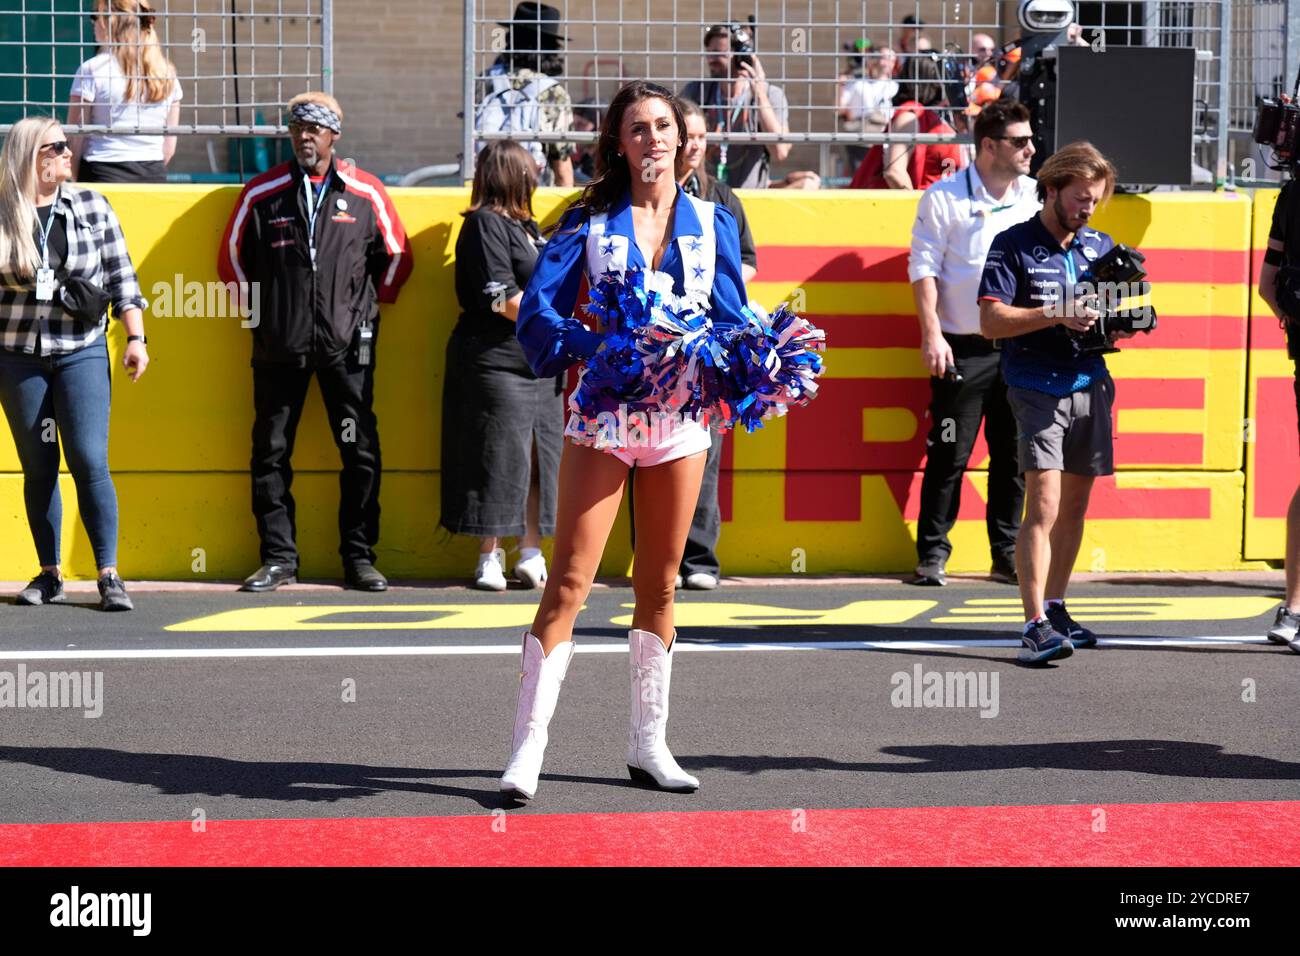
471 650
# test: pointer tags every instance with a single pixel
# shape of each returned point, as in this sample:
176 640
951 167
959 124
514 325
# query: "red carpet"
1176 834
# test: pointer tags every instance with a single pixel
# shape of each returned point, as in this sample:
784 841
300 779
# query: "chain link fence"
831 61
237 62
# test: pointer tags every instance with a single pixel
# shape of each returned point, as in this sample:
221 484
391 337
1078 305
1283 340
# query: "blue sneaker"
1060 619
1044 643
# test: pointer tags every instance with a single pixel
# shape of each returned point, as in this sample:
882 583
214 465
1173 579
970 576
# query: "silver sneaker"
1285 627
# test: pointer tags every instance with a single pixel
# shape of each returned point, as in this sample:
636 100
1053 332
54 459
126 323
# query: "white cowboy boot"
648 758
539 690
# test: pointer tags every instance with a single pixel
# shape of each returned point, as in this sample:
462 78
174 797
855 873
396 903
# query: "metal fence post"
327 46
1225 105
1292 45
467 127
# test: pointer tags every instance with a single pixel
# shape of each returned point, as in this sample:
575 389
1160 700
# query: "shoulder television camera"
1277 126
1117 275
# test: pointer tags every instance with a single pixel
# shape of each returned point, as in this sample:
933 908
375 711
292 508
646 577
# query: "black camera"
1277 126
742 44
1115 276
952 76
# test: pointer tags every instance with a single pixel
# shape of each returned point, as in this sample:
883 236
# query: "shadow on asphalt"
1165 758
177 774
188 774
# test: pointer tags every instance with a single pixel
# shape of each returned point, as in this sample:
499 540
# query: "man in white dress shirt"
956 222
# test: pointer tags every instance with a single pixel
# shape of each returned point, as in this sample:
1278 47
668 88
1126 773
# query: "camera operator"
1061 398
739 98
1279 286
956 222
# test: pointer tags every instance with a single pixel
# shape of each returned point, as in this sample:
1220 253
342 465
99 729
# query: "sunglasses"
1017 142
58 147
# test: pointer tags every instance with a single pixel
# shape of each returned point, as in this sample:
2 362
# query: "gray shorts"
1072 433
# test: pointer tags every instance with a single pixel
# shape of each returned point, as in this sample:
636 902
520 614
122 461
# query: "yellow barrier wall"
1272 461
831 488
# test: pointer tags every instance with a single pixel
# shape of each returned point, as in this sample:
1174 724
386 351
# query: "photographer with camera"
738 98
1279 286
1060 393
956 222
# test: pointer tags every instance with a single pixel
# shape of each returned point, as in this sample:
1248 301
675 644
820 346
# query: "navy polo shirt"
1027 268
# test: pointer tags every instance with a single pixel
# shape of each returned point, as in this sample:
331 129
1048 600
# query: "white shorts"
649 440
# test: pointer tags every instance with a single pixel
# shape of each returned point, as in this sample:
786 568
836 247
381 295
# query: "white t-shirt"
869 100
956 222
101 84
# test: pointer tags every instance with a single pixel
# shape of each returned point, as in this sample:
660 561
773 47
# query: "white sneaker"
531 571
1285 627
701 581
489 576
678 583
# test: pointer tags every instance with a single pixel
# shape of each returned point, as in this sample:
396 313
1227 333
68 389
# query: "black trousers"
706 524
956 409
126 171
278 396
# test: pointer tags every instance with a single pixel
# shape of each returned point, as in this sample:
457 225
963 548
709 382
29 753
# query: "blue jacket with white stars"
552 339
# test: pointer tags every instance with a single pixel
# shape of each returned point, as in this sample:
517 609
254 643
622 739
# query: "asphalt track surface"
1174 741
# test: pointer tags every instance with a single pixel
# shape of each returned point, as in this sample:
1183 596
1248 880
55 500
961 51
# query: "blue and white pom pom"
664 355
773 366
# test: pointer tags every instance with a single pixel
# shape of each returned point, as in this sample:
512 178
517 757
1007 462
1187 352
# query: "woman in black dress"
502 427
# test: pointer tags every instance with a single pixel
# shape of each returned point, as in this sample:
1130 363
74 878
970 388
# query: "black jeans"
278 396
955 412
706 525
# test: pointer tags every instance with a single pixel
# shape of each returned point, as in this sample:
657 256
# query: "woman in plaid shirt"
54 368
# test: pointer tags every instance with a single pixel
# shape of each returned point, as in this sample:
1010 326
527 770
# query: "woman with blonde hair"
63 261
130 84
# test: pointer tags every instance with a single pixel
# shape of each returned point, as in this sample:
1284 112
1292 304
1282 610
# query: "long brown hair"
691 108
133 42
505 176
613 177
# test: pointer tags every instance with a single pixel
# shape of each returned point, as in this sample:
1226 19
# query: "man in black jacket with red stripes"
317 245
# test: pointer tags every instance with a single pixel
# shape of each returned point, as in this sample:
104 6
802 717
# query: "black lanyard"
970 197
313 210
44 242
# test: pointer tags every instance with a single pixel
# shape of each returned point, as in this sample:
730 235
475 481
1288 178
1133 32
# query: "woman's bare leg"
590 492
532 537
665 501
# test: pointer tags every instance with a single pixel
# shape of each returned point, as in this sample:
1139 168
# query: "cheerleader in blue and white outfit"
633 218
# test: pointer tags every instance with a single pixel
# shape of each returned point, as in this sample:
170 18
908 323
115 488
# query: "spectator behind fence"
918 109
738 98
866 101
319 246
520 94
700 569
63 261
911 40
502 426
131 83
956 221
